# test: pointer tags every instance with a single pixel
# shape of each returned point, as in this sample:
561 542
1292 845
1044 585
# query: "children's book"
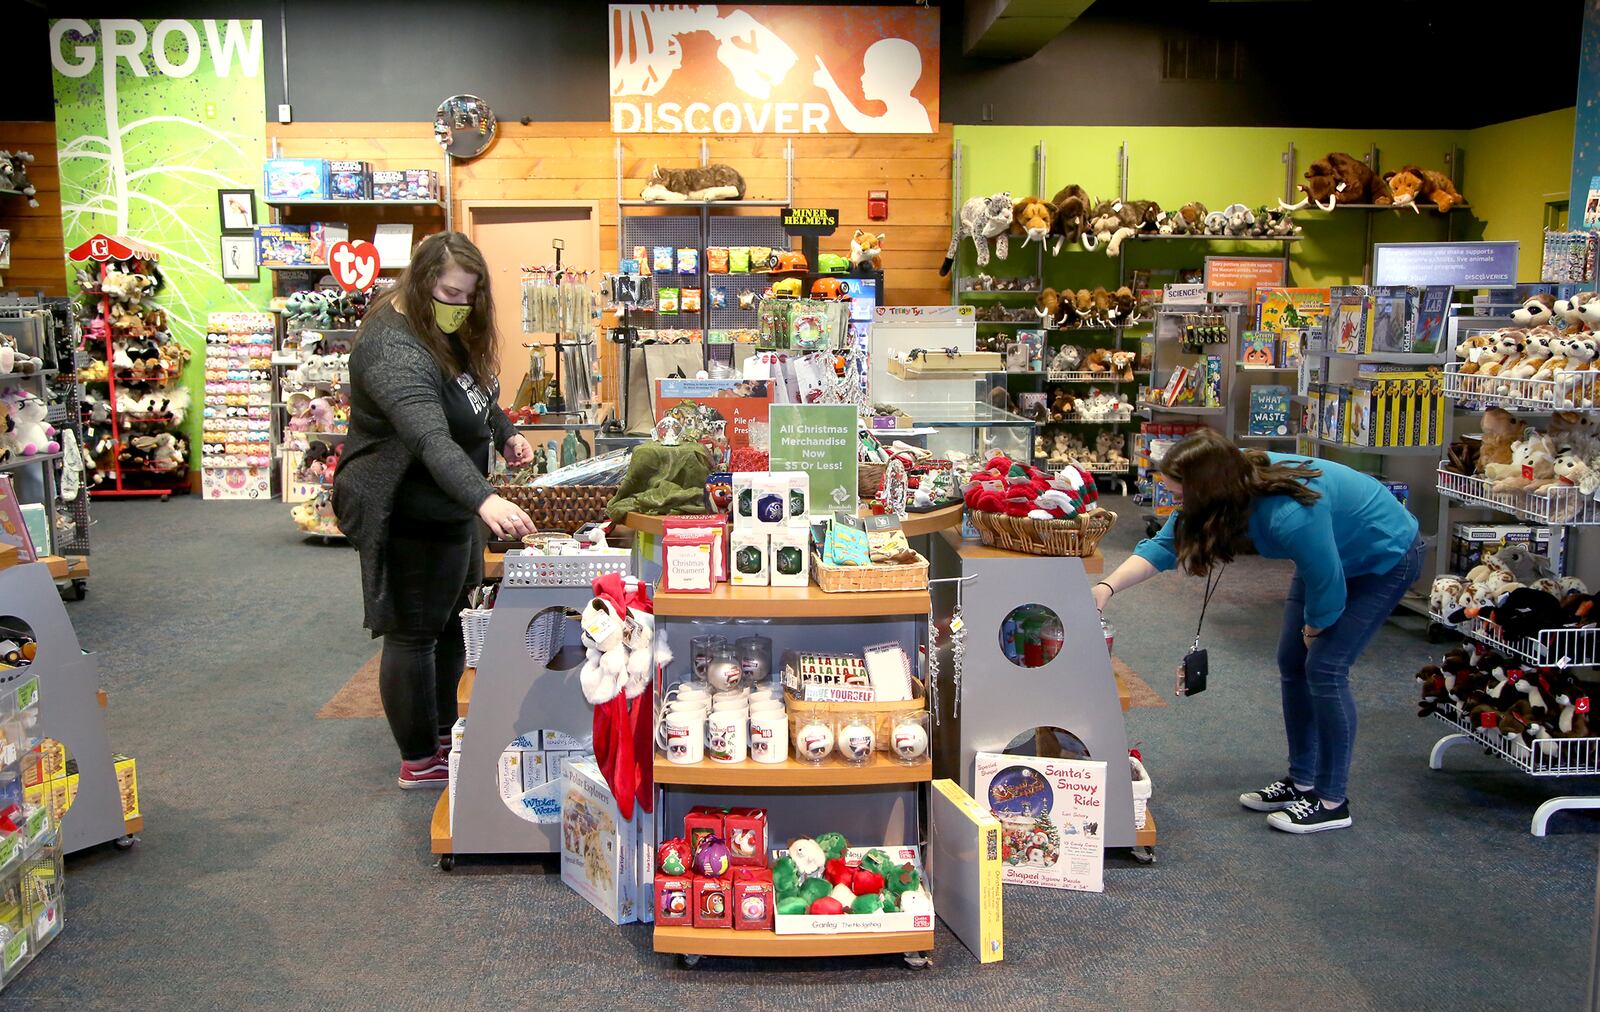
1269 410
1430 316
1258 349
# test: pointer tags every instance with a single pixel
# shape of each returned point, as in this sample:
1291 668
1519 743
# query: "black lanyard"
1212 581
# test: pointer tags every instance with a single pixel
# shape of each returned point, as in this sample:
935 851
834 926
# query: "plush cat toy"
704 182
981 219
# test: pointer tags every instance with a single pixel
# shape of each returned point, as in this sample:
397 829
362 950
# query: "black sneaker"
1308 815
1274 797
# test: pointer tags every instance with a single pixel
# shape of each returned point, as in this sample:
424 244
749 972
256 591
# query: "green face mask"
450 317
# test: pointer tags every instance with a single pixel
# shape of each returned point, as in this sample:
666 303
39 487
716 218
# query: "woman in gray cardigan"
411 486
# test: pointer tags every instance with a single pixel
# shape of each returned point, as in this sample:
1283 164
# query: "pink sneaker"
430 772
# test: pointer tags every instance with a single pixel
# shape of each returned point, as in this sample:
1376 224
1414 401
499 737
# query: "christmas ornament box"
841 924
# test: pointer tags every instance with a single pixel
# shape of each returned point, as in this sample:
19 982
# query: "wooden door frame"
608 357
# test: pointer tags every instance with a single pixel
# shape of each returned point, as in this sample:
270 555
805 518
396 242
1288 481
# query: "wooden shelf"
812 602
790 773
494 564
464 690
728 942
913 525
1146 837
439 831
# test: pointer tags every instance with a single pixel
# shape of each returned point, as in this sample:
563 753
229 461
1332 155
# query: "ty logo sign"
354 264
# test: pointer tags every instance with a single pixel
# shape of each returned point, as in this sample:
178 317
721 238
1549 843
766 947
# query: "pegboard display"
668 232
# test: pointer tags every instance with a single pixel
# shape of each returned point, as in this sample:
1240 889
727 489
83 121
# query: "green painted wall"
1219 165
1514 169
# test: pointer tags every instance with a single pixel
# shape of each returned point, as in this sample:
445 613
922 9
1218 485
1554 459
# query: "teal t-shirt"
1357 527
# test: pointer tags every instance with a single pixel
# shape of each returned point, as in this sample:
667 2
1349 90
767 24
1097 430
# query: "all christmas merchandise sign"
819 439
1052 818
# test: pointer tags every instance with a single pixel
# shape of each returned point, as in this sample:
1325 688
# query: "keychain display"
559 302
1202 329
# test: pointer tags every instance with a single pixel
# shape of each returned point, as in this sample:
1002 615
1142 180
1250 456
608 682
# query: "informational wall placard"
726 69
1052 818
819 439
1462 264
1244 274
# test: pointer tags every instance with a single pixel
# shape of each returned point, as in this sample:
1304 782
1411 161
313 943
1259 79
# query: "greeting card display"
1052 818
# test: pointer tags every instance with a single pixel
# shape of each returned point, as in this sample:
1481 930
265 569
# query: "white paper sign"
394 244
1052 818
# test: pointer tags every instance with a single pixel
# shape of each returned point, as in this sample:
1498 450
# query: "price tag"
8 848
16 948
28 694
1527 472
1581 704
956 625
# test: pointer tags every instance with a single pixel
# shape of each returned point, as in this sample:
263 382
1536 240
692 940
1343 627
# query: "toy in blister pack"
773 323
688 260
667 300
760 258
662 262
719 298
689 300
717 259
806 328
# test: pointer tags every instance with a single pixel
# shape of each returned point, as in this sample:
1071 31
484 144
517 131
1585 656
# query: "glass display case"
972 427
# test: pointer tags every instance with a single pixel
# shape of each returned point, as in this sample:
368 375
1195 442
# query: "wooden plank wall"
37 255
555 161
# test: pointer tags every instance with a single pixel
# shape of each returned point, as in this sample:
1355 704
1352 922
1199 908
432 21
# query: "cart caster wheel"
1144 855
165 498
125 842
447 862
688 962
918 960
80 590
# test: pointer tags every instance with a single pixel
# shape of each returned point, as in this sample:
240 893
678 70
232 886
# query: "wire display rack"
1566 505
1562 390
1543 757
1571 648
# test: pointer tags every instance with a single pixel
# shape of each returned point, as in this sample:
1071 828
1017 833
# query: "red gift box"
674 899
712 908
753 899
701 822
746 833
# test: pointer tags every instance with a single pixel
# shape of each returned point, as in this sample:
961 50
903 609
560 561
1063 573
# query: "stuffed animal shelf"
1341 178
704 182
981 219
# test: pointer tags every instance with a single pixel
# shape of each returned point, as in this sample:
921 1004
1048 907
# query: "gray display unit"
69 704
1001 700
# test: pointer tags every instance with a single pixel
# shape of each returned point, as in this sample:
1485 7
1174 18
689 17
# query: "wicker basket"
474 626
859 579
882 713
562 508
869 478
1077 537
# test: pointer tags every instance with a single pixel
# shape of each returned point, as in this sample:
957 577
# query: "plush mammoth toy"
1072 206
1338 179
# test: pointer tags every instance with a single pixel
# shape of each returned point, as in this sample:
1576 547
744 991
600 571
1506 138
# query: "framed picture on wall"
237 209
239 258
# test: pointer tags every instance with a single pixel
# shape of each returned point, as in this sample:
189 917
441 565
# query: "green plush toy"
890 905
902 878
868 904
785 877
793 905
813 889
834 844
876 860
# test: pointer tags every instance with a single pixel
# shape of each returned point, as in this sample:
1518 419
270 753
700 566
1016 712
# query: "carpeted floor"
281 867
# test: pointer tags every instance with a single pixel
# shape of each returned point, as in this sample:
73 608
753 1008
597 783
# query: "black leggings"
423 659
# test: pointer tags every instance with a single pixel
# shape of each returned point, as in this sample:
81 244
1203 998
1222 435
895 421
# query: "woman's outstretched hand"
1102 596
505 518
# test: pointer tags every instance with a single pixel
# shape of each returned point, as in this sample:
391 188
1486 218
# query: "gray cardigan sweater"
397 417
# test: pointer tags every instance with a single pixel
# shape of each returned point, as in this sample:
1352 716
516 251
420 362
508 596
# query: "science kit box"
296 179
349 180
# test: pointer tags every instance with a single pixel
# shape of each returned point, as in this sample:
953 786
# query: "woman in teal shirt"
1356 552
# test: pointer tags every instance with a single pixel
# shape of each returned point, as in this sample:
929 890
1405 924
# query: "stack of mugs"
729 711
727 726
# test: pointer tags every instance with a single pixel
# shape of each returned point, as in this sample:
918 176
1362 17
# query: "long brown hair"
414 292
1219 483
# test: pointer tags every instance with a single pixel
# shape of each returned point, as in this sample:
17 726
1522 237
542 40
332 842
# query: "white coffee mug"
769 736
687 711
719 705
742 695
685 737
767 693
726 739
765 706
689 692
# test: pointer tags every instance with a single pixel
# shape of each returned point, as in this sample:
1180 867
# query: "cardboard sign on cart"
1052 818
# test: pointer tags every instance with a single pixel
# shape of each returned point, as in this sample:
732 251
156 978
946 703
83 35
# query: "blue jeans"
1319 712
